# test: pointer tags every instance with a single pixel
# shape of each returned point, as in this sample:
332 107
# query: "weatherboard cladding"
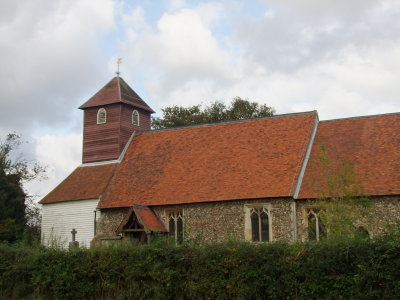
102 142
370 143
126 123
249 159
58 219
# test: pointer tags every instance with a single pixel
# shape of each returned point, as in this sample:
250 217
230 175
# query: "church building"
247 180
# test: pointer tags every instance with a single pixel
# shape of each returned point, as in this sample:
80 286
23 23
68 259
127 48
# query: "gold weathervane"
119 61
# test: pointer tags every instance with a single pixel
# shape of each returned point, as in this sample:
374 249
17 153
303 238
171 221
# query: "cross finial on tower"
119 61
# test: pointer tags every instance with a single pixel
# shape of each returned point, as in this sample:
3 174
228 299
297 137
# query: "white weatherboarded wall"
58 219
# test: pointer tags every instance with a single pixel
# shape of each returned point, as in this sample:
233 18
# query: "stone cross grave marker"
74 243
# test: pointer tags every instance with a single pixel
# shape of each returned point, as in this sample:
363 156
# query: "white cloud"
61 154
338 58
182 49
176 4
50 54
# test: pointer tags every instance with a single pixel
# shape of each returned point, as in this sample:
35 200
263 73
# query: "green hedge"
329 270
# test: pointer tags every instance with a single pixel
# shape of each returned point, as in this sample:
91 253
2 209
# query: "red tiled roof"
83 183
148 218
235 160
371 144
117 90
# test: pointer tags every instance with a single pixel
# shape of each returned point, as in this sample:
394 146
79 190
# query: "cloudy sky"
340 57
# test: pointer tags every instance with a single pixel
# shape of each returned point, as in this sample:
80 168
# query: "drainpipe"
94 221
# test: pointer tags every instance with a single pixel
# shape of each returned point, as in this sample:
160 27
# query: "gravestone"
74 244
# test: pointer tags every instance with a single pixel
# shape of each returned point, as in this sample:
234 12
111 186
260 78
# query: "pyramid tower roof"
116 91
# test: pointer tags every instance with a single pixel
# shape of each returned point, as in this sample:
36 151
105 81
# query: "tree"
174 116
13 173
341 204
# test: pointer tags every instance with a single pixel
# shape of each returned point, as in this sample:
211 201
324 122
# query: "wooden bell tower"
110 118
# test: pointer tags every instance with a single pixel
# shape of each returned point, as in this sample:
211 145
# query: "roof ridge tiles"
361 117
119 89
228 122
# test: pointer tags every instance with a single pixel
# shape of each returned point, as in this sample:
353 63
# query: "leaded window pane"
312 227
322 230
175 224
171 226
264 227
255 231
179 227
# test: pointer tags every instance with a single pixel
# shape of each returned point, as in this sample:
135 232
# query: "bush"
347 269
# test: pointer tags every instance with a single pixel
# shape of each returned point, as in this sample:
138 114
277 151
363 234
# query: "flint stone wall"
223 221
109 221
210 222
384 210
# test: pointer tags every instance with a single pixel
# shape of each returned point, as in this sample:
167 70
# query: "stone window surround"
175 210
311 210
247 222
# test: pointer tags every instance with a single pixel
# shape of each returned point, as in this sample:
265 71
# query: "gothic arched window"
135 118
259 224
316 228
175 225
101 116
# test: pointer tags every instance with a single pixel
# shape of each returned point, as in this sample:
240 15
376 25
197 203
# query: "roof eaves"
100 163
367 195
225 200
144 107
83 106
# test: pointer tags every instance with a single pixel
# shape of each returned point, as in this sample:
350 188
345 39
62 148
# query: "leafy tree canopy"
341 199
175 116
13 173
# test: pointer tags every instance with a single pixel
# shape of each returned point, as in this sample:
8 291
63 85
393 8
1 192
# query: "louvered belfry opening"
108 121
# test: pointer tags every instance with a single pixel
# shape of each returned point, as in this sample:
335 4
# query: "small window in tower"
101 116
135 118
